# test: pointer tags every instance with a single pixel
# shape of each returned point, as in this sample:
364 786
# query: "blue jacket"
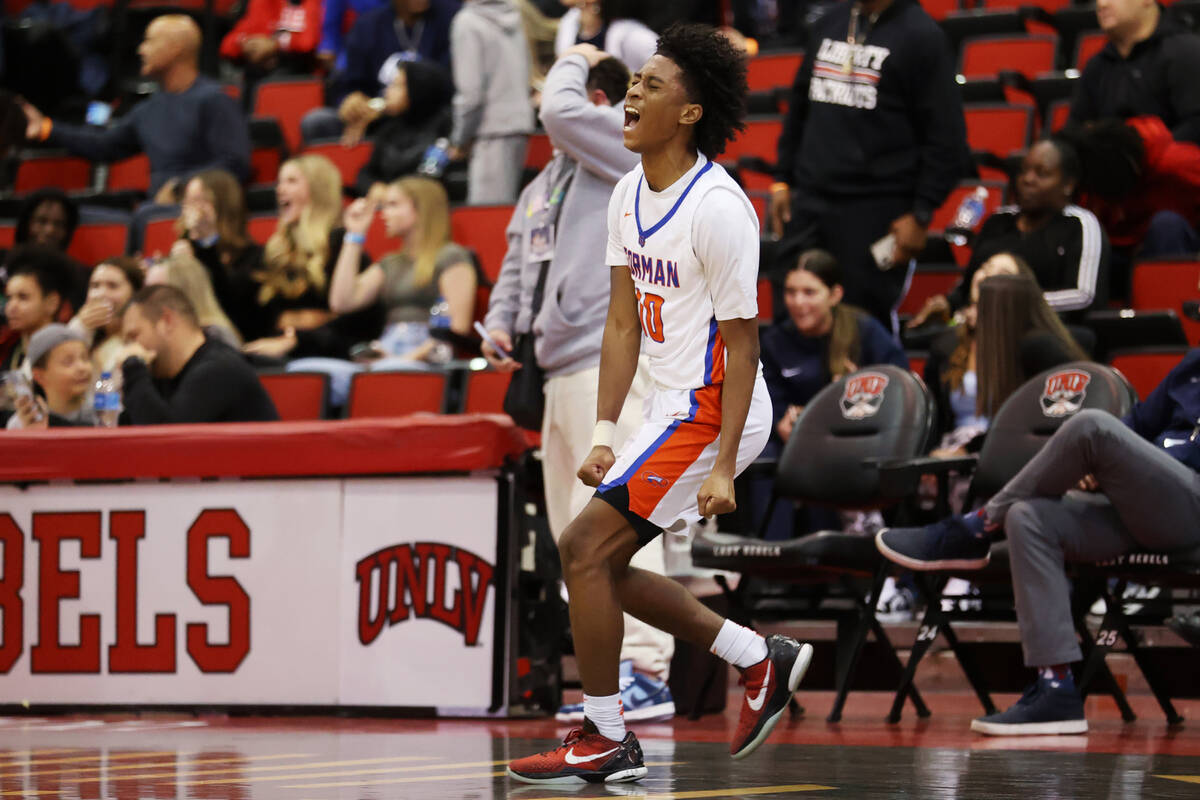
373 39
332 38
795 368
1170 416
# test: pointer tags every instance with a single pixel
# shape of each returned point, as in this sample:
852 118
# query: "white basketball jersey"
692 250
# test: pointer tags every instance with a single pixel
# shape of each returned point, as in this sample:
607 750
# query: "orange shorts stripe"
676 455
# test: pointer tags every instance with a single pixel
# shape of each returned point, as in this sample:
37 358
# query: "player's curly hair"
714 75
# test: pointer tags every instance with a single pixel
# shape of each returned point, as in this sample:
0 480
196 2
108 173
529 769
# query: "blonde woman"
189 276
407 283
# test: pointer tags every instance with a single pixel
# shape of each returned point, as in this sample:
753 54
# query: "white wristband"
604 433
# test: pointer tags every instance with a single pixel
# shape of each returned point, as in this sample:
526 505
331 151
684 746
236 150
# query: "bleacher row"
1018 63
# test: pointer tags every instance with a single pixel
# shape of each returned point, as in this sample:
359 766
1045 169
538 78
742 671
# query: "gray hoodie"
490 59
570 325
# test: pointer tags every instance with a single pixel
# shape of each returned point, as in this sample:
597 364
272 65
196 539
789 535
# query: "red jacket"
1171 182
297 28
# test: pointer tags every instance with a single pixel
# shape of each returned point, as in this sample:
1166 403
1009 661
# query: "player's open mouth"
632 115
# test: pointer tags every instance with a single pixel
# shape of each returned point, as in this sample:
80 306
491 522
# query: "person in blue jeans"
1100 487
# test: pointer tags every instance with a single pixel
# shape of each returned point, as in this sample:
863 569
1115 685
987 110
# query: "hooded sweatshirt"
1159 78
1170 416
893 126
491 72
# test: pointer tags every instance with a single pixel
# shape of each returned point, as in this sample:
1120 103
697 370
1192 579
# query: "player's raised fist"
596 465
716 496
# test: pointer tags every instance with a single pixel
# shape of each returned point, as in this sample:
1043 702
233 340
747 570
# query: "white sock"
605 714
739 646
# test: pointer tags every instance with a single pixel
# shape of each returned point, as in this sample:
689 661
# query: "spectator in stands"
47 217
1148 68
402 30
59 359
189 276
187 126
1061 242
416 114
290 295
274 36
493 116
1097 489
110 288
611 25
339 15
1143 185
429 268
174 373
212 228
873 142
822 339
34 297
1006 334
567 204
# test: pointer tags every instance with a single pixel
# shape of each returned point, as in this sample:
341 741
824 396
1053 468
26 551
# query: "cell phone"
98 113
883 251
17 384
487 337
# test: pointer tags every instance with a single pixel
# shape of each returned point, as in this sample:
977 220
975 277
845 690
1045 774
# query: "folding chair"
874 415
1019 429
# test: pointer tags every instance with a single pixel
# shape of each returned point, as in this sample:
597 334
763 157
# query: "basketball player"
683 252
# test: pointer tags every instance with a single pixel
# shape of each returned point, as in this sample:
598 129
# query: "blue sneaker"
959 542
643 699
1051 706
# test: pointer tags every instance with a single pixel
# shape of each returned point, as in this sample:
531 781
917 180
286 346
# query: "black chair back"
882 412
1035 411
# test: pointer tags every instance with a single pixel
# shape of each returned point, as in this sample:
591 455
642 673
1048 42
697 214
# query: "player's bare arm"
741 368
618 363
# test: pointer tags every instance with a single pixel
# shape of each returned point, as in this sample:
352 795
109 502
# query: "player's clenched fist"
596 465
716 496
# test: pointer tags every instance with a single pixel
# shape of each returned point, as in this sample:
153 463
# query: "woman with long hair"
821 340
189 276
111 285
427 270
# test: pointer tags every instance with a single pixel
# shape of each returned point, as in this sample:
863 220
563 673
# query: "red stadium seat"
95 241
1164 285
485 392
159 235
916 361
298 395
1057 115
539 152
481 228
348 160
928 280
378 244
8 234
41 170
999 129
1046 5
395 394
130 174
288 101
1088 45
772 70
766 300
938 9
944 216
1145 367
261 226
761 138
264 164
987 56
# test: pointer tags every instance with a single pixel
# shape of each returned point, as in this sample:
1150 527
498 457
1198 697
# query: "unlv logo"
417 585
863 395
1064 393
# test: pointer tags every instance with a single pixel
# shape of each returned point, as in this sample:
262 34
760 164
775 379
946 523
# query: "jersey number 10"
650 311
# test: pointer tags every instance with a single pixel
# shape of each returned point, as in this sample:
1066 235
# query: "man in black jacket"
173 373
873 142
1148 68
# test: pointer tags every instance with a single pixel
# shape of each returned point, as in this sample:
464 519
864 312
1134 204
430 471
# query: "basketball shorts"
659 471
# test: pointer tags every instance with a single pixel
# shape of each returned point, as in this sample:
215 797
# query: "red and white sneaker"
584 757
769 686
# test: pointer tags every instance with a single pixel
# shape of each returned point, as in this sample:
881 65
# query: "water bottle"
107 401
436 157
969 214
439 326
